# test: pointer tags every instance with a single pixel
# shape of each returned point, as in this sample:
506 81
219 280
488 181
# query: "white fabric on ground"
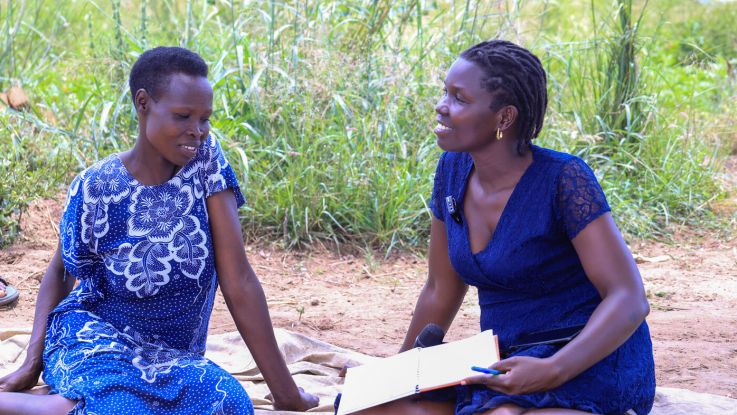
315 366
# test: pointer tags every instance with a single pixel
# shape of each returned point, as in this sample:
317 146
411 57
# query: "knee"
63 405
232 397
47 405
214 391
410 407
506 409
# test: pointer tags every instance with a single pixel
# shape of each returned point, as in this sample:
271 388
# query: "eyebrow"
460 88
456 87
186 107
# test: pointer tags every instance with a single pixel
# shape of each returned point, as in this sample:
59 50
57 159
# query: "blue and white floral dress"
130 338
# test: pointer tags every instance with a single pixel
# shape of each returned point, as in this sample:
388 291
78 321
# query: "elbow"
640 309
645 307
636 305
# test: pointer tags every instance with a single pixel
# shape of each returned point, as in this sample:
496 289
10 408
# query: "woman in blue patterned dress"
531 229
149 234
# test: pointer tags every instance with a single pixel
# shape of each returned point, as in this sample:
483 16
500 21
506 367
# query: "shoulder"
210 148
109 165
101 172
452 170
552 157
558 163
209 157
451 162
206 161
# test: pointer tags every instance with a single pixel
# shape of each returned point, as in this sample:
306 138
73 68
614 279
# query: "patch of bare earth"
366 305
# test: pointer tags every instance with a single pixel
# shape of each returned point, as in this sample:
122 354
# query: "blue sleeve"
78 222
219 174
580 198
437 203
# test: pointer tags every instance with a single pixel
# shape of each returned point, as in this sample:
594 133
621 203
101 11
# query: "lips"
442 128
188 149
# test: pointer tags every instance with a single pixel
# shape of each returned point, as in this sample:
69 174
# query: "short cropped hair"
515 77
154 68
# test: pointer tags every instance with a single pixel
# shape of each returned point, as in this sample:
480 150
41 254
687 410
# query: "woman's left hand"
306 401
523 374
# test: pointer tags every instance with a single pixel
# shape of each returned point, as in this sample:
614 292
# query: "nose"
442 107
197 130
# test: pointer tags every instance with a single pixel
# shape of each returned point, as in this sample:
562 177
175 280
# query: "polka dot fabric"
130 338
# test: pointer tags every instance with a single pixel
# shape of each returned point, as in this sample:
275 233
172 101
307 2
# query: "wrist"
286 397
33 363
558 370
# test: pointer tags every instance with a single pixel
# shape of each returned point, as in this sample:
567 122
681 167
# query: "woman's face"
465 119
179 121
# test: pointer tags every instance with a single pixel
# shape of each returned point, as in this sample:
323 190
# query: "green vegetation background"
325 108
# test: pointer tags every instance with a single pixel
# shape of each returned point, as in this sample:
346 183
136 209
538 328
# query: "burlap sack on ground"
315 366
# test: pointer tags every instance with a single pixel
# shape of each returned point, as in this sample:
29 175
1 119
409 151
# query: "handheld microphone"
431 335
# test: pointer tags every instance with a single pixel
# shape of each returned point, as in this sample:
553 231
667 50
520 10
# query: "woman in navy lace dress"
150 233
531 229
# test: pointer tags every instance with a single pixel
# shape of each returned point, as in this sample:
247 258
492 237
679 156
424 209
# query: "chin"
179 162
447 145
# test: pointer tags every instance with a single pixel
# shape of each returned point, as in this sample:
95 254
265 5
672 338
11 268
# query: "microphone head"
431 335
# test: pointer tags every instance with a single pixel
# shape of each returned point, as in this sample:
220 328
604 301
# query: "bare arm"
53 289
247 303
443 293
611 269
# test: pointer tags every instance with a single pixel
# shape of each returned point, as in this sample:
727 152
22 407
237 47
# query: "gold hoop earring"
499 134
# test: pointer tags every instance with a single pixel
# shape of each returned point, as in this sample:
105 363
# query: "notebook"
415 371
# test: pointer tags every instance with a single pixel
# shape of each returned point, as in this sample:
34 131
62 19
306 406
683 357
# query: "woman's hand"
523 374
22 379
306 401
246 301
53 289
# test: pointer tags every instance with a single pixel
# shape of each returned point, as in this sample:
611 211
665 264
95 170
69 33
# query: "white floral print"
132 334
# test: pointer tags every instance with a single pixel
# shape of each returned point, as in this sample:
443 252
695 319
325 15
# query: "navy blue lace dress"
130 338
529 278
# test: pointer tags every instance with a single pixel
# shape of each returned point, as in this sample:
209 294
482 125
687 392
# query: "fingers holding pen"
518 375
493 380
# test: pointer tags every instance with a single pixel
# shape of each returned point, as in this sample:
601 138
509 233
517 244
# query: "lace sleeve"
580 198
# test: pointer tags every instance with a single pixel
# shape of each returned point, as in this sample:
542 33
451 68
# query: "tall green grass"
325 107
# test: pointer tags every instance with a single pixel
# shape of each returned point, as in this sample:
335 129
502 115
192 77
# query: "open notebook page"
380 381
450 363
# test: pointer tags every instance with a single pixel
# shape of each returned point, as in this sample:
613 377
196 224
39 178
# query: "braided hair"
515 77
154 68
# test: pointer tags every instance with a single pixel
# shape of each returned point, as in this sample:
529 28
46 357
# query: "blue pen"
487 370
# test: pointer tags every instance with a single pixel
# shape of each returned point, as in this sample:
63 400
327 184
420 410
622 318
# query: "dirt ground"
365 303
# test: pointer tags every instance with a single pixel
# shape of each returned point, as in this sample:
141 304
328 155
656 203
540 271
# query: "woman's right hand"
54 287
305 401
24 378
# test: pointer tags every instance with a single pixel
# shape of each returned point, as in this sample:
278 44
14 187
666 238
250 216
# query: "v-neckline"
464 187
